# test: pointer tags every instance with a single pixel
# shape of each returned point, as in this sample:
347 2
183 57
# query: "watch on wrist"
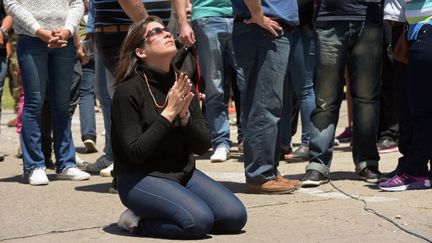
5 32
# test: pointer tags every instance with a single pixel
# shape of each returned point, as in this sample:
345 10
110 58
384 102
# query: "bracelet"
184 120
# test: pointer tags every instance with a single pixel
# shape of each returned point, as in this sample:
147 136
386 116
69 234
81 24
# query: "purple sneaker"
404 182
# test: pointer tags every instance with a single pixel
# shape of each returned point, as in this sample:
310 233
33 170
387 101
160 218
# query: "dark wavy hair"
128 61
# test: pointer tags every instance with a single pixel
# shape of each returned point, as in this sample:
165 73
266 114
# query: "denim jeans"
3 72
86 102
302 74
103 91
171 210
419 85
264 60
215 50
38 63
357 44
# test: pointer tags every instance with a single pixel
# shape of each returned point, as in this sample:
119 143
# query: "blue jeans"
302 74
418 151
215 50
264 60
357 44
171 210
38 64
3 71
86 102
103 90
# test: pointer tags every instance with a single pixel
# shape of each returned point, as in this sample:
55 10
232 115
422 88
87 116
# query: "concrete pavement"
69 211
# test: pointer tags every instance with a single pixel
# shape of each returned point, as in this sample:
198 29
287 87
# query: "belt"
284 25
112 28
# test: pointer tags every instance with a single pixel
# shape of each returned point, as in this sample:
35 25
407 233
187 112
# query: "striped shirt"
109 12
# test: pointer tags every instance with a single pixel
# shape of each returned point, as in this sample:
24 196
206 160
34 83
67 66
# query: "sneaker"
404 182
221 154
346 135
100 164
128 220
275 186
371 174
387 146
90 146
336 142
313 178
81 164
299 155
73 173
38 177
107 171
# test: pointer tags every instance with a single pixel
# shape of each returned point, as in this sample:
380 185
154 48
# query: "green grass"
7 100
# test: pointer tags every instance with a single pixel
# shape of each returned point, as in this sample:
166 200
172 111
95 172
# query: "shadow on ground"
99 188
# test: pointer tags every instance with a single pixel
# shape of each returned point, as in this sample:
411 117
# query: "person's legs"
331 44
210 34
60 67
33 61
264 60
166 208
364 67
3 71
419 91
229 213
86 107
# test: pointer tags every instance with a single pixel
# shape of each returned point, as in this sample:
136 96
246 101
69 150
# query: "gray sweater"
30 15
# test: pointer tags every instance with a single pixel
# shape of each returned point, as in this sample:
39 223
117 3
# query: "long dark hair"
128 60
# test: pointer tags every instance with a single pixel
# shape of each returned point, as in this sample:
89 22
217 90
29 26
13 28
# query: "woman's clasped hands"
179 98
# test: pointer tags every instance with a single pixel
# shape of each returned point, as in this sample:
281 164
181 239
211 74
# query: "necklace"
151 93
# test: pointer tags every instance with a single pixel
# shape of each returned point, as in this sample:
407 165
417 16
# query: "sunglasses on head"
155 32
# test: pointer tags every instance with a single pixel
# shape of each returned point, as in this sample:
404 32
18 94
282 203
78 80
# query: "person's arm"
5 27
187 35
135 9
21 16
196 130
258 17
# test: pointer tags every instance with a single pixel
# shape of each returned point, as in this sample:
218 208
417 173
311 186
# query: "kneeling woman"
157 125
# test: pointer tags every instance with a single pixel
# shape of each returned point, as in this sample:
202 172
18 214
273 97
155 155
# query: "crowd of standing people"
164 72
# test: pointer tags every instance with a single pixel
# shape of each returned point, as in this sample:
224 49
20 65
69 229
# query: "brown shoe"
12 123
275 186
295 183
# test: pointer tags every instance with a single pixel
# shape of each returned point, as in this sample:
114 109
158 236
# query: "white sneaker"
101 163
73 173
128 220
221 154
107 171
38 177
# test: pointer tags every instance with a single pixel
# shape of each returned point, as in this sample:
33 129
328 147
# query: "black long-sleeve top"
145 141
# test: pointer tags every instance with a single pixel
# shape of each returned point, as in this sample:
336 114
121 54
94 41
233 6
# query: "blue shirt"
285 10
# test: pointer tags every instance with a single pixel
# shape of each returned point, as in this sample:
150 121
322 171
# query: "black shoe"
1 157
371 174
49 164
386 145
313 178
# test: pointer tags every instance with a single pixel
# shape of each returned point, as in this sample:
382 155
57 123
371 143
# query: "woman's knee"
232 221
200 225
